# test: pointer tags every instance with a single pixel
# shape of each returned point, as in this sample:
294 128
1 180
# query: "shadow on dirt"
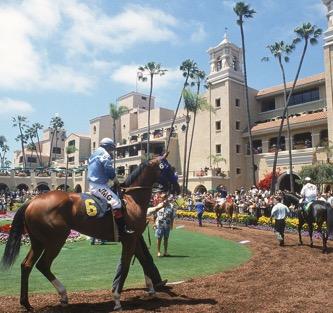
166 298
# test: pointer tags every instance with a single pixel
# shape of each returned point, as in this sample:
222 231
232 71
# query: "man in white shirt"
279 213
254 191
309 193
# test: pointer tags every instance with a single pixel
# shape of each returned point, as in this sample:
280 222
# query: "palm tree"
309 34
116 112
23 139
189 68
243 11
280 51
69 150
31 147
20 122
37 127
152 69
31 134
55 124
216 159
189 103
4 149
200 104
7 163
209 87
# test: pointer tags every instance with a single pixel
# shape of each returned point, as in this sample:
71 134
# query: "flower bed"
5 229
243 219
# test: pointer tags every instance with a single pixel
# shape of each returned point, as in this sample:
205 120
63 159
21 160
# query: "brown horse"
48 219
226 207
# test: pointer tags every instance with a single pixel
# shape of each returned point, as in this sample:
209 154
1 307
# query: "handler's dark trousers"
279 227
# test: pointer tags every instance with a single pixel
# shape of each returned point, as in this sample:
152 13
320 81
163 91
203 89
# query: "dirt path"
276 279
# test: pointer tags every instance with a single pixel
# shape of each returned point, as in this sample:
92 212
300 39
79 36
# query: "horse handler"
279 213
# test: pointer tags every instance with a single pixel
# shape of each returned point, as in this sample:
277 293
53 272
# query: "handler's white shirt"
280 211
309 192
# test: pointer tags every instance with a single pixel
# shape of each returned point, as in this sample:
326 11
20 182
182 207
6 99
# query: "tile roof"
293 120
300 82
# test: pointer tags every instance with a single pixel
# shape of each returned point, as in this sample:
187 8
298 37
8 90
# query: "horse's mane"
291 196
135 174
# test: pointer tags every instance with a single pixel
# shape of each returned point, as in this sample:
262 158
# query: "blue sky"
74 57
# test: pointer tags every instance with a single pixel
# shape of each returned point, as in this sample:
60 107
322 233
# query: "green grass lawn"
81 266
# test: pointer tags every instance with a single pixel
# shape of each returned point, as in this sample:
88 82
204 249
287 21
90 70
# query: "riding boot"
120 221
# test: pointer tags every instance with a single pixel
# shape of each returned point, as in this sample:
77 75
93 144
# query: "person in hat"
279 213
199 207
165 215
100 171
309 193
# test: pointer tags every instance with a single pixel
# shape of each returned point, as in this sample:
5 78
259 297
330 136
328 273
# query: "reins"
126 189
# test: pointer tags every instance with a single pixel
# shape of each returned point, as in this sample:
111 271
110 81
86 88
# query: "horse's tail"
12 248
329 220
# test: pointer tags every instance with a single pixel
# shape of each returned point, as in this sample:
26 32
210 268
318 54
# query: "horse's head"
289 198
167 176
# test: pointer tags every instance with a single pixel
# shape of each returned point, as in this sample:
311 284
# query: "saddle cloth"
307 205
94 206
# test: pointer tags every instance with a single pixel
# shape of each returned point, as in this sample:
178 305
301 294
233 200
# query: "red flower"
5 228
266 182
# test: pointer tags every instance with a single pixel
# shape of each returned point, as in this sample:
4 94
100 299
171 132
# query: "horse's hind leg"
44 266
324 235
34 253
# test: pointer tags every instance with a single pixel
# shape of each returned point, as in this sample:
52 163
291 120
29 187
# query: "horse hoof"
300 243
26 308
151 293
64 304
311 245
117 307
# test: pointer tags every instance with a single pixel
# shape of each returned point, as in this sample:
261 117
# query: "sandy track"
276 279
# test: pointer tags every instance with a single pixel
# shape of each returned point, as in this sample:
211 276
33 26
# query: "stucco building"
222 131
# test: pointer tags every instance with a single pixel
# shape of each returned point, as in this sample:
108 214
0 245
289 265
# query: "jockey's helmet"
107 143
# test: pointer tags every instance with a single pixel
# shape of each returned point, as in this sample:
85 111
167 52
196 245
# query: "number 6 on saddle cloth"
94 206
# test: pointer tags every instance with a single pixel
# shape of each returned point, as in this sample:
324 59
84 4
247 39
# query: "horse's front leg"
128 249
152 275
311 233
300 225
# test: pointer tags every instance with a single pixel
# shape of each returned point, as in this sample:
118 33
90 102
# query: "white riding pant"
104 191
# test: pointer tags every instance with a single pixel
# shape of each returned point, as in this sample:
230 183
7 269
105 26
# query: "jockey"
100 171
308 192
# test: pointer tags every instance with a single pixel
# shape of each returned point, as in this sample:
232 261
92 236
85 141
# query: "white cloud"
228 3
11 106
127 74
103 65
23 65
93 31
199 34
61 45
64 78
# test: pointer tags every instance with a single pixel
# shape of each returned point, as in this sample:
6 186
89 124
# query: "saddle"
97 207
